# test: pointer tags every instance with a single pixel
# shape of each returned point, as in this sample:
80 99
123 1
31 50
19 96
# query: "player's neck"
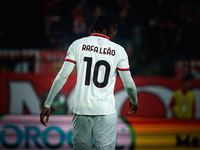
102 32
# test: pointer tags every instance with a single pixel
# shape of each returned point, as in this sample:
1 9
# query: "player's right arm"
125 75
57 85
130 88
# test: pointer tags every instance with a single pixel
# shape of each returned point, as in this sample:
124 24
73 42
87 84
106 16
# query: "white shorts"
101 129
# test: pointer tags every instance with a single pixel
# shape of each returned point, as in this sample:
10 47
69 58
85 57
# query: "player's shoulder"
116 45
81 40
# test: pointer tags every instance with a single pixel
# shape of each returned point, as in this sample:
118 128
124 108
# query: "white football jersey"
97 59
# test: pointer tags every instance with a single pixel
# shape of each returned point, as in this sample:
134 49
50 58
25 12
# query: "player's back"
97 60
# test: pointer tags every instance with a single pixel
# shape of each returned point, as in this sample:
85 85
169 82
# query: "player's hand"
133 108
45 112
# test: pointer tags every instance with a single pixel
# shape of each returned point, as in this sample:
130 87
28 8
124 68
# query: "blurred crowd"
155 33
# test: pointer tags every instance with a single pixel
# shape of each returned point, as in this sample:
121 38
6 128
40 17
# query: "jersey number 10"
96 71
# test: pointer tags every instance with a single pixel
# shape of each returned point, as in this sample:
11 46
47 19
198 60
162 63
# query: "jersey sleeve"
71 54
123 64
59 82
129 85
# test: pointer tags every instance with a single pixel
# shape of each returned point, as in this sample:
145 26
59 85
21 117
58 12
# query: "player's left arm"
59 82
57 85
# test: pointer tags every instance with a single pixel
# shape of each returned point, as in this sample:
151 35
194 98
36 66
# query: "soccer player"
97 59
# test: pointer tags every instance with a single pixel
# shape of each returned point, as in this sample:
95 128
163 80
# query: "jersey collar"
101 35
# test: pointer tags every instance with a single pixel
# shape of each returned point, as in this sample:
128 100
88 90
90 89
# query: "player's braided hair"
104 22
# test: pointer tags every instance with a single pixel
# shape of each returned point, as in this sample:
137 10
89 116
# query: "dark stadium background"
154 32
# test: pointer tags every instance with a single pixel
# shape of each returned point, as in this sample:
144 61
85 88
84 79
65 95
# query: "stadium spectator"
79 28
182 104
